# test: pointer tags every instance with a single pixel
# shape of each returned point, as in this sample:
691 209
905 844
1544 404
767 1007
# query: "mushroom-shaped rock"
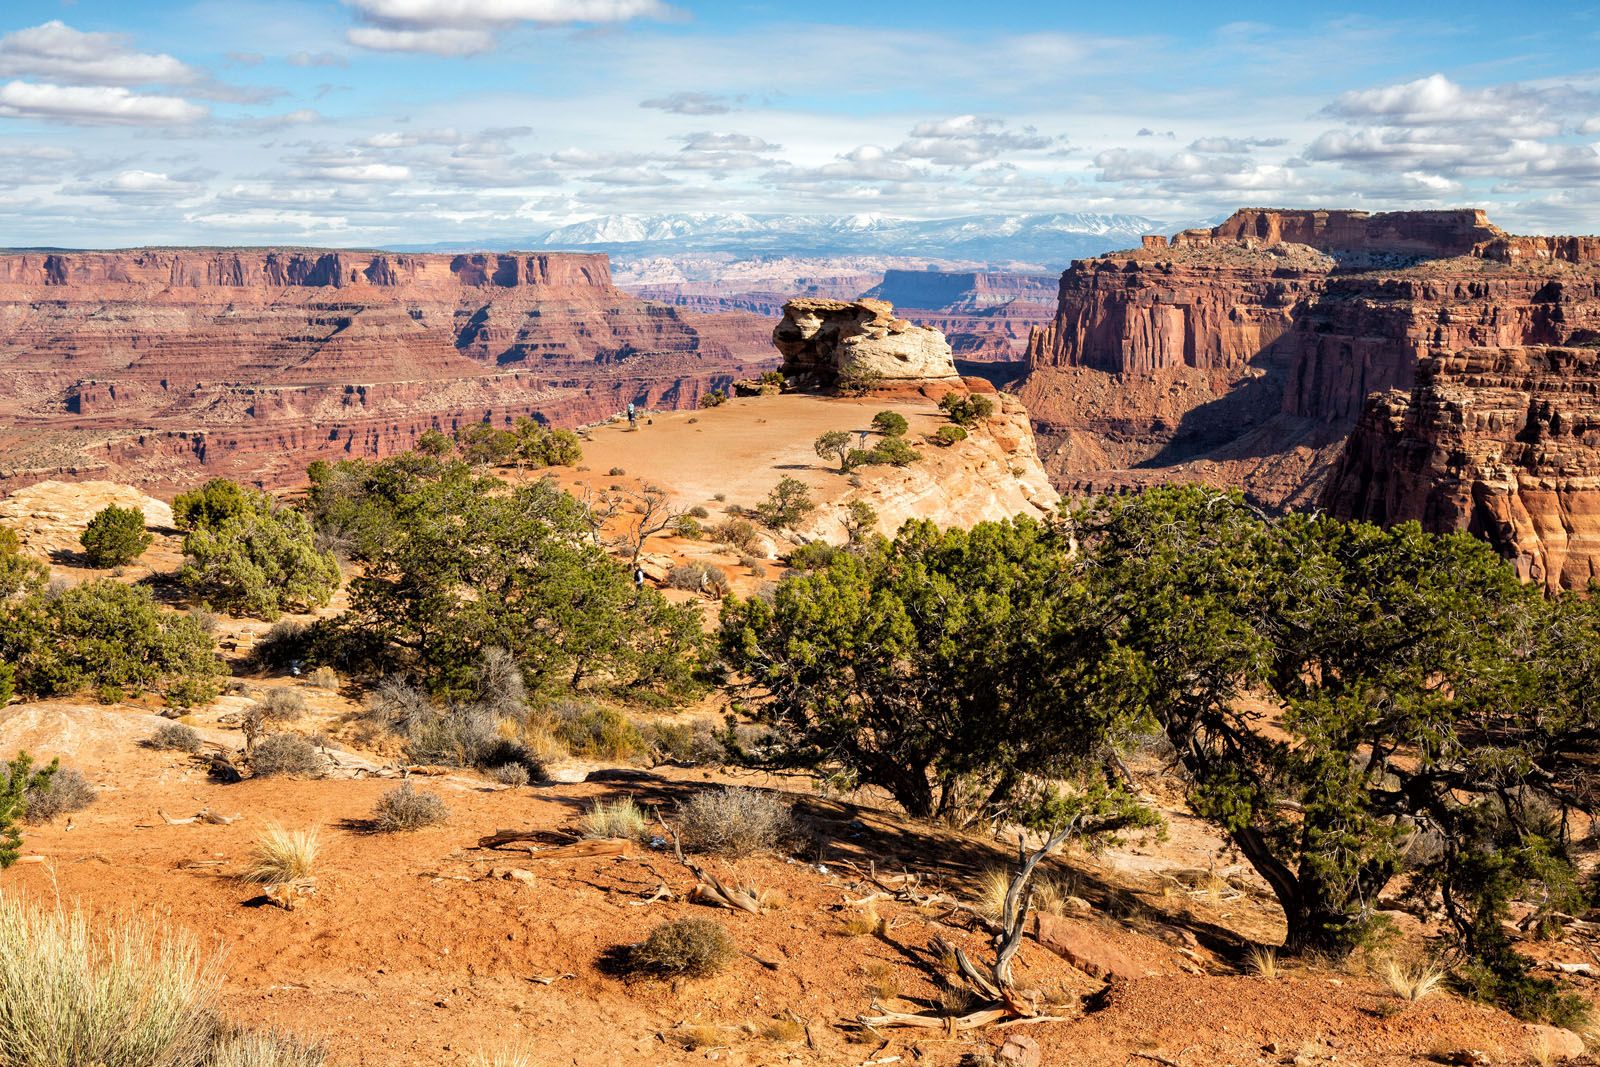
830 339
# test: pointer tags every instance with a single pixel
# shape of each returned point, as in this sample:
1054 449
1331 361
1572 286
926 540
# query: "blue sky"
409 121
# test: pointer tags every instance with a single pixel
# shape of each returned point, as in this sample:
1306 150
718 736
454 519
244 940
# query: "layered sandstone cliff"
1503 442
1243 355
149 363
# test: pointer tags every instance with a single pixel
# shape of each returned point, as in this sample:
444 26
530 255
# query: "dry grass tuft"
692 1038
867 923
1412 982
785 1031
511 1056
614 818
283 856
74 991
694 948
1262 961
264 1048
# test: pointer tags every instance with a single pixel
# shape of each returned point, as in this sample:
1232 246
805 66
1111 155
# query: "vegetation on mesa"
1428 720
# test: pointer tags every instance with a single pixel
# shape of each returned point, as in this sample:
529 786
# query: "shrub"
261 561
107 636
73 991
835 443
966 410
949 435
175 737
699 577
695 948
115 537
858 381
64 792
514 775
732 821
614 818
286 754
740 534
324 678
894 451
812 556
406 809
787 505
699 512
283 855
616 472
689 528
282 705
264 1048
209 506
714 399
597 732
695 743
284 644
17 780
890 423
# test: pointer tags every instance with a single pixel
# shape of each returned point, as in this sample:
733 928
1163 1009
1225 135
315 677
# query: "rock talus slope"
1243 355
148 364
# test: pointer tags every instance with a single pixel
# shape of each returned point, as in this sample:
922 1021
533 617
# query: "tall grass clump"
614 818
283 856
75 992
264 1048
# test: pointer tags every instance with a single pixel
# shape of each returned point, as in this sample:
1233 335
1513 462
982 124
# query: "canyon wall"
1243 355
147 365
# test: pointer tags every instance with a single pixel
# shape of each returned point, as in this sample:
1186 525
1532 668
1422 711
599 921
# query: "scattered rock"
1019 1051
1554 1044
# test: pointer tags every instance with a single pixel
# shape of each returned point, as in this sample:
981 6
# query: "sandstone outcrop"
148 364
1501 442
825 340
1243 355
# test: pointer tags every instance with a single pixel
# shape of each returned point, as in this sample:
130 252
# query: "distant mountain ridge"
1048 241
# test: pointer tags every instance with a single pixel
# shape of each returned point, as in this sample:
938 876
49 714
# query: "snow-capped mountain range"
1041 240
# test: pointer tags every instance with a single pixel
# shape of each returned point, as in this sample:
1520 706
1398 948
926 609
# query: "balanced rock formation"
160 366
1503 442
1243 355
823 341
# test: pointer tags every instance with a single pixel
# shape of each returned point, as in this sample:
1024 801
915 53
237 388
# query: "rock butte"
1245 355
148 364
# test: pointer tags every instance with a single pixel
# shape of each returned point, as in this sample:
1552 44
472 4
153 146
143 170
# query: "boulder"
829 339
1019 1050
1553 1044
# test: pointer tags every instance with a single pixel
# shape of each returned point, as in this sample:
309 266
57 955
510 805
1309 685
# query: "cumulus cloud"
1183 172
146 185
466 27
694 103
966 140
1235 145
56 51
94 105
1510 134
438 41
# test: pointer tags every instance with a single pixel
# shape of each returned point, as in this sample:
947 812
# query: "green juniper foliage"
17 779
115 537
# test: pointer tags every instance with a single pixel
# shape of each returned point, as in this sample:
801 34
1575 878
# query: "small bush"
890 423
283 645
283 856
949 435
73 991
788 504
65 791
406 809
175 737
614 818
281 705
598 732
699 577
858 381
740 534
464 736
681 742
731 821
689 528
514 775
694 948
811 557
616 472
286 754
699 512
115 537
324 678
714 399
263 1048
966 410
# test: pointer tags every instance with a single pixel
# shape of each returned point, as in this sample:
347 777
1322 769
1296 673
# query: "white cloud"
144 184
465 27
57 51
439 42
104 105
694 103
966 140
366 172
